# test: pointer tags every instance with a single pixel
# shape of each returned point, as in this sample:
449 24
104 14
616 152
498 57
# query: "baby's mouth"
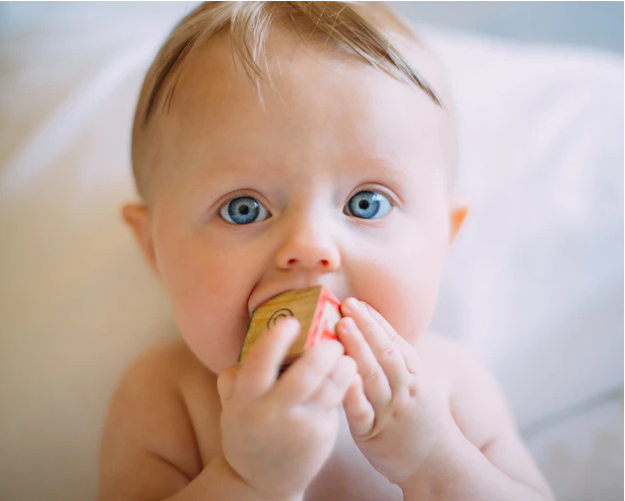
253 304
264 299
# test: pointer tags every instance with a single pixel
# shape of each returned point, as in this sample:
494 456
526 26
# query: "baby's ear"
137 216
458 212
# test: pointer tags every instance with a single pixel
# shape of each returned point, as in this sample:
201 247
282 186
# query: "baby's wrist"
439 467
252 492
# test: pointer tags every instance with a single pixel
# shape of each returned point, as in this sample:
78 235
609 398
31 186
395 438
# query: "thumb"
226 382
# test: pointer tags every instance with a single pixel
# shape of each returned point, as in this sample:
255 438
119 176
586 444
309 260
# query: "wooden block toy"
316 308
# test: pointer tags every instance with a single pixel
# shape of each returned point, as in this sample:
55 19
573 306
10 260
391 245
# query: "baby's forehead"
303 89
216 61
215 85
328 122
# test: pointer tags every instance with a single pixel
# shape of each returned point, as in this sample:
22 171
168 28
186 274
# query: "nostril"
292 261
325 262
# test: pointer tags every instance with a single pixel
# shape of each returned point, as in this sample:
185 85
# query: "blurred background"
590 24
534 283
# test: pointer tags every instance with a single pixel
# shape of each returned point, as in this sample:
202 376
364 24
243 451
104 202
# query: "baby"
278 146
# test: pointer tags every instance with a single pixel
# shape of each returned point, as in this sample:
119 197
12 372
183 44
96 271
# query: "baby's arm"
436 444
275 434
485 457
149 449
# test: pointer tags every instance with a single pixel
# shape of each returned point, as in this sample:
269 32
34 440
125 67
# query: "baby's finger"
411 358
376 385
226 382
307 373
333 388
259 370
358 411
386 351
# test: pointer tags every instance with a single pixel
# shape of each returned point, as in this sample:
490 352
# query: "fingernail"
353 305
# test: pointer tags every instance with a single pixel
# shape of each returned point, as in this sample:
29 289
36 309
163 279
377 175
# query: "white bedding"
534 284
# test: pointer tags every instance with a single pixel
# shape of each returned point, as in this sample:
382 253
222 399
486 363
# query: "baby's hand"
278 433
396 418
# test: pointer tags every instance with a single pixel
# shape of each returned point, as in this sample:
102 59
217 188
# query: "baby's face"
339 179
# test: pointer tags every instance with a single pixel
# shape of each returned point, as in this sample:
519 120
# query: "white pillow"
76 301
535 283
542 165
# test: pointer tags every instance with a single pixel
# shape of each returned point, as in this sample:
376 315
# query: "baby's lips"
254 305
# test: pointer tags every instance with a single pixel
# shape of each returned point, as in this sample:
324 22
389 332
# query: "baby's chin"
215 361
216 346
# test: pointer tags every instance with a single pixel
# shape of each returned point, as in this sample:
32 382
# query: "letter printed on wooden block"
316 308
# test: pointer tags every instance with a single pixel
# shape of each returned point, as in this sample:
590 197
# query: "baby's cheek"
210 306
404 291
408 306
214 330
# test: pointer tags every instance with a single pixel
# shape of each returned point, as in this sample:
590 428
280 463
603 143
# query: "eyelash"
239 194
376 189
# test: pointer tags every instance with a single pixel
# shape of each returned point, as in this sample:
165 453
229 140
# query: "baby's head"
279 145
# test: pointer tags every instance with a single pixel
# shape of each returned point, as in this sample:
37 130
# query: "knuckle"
404 401
368 321
398 412
335 381
412 386
388 351
338 376
393 336
344 323
373 374
361 414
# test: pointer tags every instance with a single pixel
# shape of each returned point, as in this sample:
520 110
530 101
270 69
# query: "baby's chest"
347 475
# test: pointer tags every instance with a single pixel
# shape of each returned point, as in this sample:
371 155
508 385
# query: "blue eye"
368 205
243 210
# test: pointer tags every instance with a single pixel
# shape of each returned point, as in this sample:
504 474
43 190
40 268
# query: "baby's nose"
309 246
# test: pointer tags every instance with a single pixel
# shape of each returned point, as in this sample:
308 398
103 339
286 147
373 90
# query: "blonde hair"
355 28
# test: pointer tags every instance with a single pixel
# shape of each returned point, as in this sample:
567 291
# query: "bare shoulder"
476 400
149 446
480 410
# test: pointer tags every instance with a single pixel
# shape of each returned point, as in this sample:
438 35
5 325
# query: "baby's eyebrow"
378 167
369 166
